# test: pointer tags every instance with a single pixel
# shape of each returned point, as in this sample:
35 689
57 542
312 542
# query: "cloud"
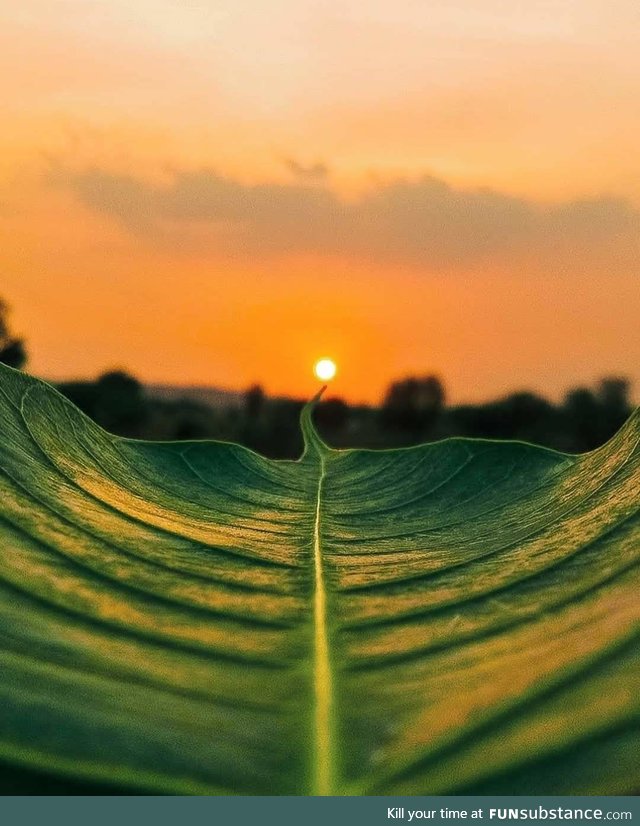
424 222
313 172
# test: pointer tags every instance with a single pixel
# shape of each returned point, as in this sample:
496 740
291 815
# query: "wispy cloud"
423 222
307 172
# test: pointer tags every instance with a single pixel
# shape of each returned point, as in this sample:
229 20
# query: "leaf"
460 617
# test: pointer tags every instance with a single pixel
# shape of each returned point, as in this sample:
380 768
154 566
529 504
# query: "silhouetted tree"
332 415
254 401
413 411
115 401
413 404
120 402
283 438
523 416
582 416
12 350
613 393
593 417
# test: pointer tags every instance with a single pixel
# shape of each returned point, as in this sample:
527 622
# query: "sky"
220 193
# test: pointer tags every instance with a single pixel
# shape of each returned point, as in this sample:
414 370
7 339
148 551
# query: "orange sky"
221 193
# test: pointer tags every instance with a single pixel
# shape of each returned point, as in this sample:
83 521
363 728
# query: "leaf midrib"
322 676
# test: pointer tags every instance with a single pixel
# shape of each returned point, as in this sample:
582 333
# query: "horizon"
555 399
222 196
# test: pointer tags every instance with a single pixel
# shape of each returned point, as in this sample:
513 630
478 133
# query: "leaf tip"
312 441
317 396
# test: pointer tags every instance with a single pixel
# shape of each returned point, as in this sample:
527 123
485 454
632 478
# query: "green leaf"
460 617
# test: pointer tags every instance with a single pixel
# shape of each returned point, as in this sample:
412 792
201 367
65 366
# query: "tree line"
414 409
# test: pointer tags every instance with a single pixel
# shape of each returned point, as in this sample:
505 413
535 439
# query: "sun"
325 369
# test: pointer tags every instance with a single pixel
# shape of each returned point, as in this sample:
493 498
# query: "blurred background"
413 409
200 200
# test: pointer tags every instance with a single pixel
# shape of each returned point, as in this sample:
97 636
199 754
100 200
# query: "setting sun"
325 369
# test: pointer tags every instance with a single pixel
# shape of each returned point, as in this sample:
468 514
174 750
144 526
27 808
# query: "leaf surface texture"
191 618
